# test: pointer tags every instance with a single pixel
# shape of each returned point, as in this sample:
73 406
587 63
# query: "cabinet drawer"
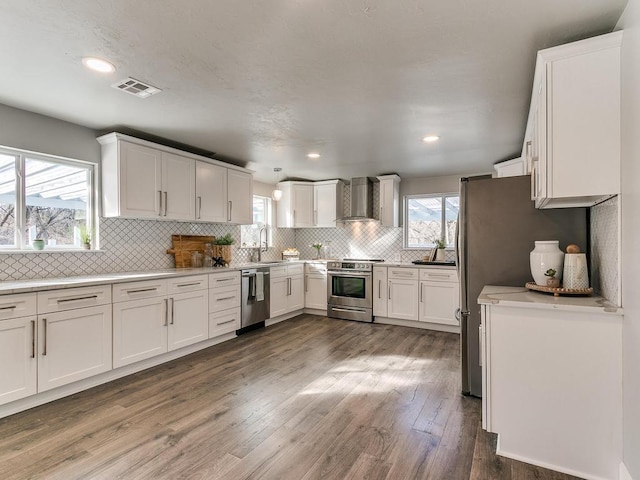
297 269
403 273
226 279
70 298
123 292
188 284
320 268
278 272
224 298
18 305
438 275
224 322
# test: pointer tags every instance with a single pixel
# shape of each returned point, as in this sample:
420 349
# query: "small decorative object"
218 262
38 244
575 273
291 254
546 255
85 237
552 281
318 247
196 259
440 252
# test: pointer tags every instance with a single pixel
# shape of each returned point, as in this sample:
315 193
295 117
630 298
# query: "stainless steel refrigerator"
497 228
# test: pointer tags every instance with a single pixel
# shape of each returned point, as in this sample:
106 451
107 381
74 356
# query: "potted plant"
552 281
222 247
85 237
38 244
318 247
440 253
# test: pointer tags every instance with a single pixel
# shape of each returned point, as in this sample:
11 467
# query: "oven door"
349 289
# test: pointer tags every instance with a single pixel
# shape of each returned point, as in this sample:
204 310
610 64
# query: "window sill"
49 250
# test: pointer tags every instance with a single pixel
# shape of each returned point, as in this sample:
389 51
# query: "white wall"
630 199
422 185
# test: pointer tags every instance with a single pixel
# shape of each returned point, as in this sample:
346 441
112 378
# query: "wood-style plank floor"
310 398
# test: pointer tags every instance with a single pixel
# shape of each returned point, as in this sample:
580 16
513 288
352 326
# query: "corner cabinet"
310 204
572 140
142 179
389 208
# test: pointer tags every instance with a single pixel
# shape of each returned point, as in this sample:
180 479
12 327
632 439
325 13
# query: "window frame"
20 240
269 217
405 209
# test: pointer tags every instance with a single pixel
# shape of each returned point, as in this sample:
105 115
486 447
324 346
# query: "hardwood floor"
309 398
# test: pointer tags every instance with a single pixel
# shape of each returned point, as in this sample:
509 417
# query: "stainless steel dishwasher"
255 297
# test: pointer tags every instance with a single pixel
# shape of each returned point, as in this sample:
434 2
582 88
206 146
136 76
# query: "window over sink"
262 218
45 197
428 218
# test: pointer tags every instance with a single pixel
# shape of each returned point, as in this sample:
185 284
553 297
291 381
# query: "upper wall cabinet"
310 204
389 213
141 179
572 141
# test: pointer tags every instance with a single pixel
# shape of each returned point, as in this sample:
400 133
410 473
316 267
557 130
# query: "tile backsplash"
604 250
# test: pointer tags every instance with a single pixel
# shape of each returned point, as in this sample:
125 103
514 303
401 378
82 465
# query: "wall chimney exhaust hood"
361 200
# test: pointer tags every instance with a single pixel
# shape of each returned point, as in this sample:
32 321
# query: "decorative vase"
575 272
38 244
544 256
86 246
440 255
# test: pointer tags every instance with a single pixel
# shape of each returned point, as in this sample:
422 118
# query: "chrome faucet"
260 243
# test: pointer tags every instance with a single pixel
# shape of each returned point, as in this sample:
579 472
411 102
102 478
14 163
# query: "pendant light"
276 195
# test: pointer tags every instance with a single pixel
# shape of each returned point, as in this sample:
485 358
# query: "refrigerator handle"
461 241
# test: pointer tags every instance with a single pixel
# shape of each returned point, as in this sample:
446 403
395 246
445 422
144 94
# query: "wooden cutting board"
185 245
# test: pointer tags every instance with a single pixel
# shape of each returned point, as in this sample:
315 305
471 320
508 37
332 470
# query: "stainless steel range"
349 289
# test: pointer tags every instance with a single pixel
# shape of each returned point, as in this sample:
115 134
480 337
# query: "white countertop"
525 298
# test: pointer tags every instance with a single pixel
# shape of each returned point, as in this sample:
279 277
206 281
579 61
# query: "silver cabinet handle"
44 337
12 307
159 203
224 298
421 289
166 203
379 288
315 217
187 284
172 319
199 207
224 323
306 283
389 290
65 300
166 312
141 290
289 285
33 339
229 207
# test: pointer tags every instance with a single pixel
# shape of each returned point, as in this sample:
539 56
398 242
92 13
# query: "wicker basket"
223 251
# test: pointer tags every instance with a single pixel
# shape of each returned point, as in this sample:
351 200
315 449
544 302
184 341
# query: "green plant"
317 246
225 240
85 234
550 273
439 243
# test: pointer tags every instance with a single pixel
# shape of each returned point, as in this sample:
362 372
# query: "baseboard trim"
282 318
75 387
425 326
548 466
624 473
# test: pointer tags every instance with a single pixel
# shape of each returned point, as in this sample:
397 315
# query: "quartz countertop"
525 298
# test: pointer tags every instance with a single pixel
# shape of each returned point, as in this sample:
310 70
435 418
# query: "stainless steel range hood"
361 200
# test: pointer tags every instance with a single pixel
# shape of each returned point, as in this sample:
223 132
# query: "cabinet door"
139 330
140 181
315 295
74 344
302 206
211 193
17 357
389 202
179 187
438 302
380 292
325 205
295 299
188 319
403 299
240 197
278 296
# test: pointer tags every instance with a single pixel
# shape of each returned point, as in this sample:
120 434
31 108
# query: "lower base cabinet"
224 322
18 358
188 319
74 345
287 289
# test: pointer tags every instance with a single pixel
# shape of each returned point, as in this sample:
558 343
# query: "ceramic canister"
544 256
575 274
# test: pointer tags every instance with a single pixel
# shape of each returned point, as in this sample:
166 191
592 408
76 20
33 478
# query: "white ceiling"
264 82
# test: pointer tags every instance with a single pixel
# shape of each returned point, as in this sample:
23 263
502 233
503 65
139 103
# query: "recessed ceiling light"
98 65
313 155
431 138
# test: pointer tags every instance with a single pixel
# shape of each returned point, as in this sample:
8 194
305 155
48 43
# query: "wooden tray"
185 245
557 291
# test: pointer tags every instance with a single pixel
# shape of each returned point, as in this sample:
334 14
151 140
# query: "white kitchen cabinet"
74 345
315 288
18 335
188 319
327 203
240 197
403 293
380 289
439 296
224 303
510 168
211 193
178 187
559 361
573 131
287 289
389 208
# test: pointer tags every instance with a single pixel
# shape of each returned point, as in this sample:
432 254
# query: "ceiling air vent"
136 87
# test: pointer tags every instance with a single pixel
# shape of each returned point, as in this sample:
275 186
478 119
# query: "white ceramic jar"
544 256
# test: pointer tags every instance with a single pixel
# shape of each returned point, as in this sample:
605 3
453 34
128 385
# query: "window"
429 218
44 197
249 234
